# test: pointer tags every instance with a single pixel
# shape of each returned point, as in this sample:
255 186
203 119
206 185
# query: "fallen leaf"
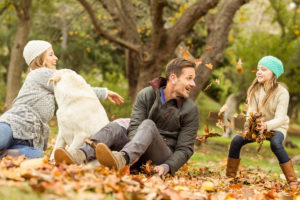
33 163
208 186
206 129
239 67
198 62
186 55
209 66
207 87
208 48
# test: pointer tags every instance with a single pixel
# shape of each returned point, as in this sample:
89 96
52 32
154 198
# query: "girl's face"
50 59
263 74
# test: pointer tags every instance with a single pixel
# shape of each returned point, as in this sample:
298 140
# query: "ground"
203 177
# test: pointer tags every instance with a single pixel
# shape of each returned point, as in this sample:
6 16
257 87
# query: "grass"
215 151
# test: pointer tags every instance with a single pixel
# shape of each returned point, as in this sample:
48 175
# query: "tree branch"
156 9
188 19
123 17
101 32
217 39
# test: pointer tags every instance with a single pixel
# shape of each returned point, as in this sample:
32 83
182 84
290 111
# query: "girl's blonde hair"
38 62
270 87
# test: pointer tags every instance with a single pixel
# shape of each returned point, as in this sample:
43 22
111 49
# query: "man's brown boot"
232 167
108 158
289 172
9 152
74 156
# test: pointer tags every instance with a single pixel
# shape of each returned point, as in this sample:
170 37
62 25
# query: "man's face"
184 83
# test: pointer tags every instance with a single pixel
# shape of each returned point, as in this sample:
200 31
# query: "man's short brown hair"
176 65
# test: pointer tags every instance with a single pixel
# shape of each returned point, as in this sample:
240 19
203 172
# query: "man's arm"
184 148
140 110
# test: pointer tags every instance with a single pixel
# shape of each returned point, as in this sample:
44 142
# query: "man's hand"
114 97
160 170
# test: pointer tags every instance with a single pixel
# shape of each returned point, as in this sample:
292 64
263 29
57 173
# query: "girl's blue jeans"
8 142
275 143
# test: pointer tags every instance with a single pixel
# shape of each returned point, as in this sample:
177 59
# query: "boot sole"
105 156
62 156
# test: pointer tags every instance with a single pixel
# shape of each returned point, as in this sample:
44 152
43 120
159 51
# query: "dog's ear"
54 79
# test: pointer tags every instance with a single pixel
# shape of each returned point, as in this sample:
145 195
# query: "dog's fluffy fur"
80 113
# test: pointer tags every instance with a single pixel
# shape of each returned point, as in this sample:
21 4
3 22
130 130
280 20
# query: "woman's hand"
114 97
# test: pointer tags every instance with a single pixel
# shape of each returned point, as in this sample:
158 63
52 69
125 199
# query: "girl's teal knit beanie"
273 63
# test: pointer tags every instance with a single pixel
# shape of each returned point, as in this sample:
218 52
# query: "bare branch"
101 32
189 17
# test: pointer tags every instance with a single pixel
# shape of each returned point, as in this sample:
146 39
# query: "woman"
23 128
269 97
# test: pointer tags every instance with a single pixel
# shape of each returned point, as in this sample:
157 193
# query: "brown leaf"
230 123
239 67
206 129
207 87
198 61
208 48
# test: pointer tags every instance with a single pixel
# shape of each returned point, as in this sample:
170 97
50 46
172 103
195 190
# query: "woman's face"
50 59
263 74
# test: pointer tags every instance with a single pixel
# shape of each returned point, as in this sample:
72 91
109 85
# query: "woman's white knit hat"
33 49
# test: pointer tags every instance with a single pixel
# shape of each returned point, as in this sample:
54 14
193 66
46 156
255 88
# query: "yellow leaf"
186 55
209 66
208 186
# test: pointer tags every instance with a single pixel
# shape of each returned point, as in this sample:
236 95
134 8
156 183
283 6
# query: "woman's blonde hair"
38 62
270 87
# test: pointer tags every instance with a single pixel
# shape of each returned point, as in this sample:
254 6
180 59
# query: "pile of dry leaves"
83 182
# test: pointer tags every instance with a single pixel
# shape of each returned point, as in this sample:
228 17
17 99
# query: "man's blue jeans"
8 142
275 143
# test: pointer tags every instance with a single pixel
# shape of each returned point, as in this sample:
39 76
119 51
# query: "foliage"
202 178
115 82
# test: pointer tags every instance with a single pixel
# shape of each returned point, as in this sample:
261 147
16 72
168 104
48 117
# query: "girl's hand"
114 97
262 127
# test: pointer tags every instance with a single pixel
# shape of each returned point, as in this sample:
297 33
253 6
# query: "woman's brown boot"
289 172
232 167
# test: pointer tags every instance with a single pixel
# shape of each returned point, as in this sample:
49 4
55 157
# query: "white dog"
80 113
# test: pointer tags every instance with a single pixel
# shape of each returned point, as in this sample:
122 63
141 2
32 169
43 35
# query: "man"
163 123
163 126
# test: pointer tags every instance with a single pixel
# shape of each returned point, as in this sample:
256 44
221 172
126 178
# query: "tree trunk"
132 71
218 27
16 63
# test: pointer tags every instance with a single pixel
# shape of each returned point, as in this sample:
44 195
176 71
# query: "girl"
266 95
23 128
